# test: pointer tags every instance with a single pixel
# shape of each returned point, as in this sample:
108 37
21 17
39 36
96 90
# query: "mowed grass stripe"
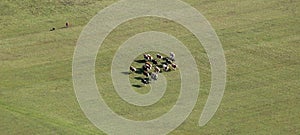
45 120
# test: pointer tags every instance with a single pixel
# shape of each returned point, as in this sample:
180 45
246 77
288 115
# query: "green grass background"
260 39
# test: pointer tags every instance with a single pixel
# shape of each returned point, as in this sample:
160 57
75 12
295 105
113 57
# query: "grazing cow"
146 68
146 74
146 56
132 69
166 67
150 58
174 66
148 64
67 24
159 56
172 56
52 29
157 69
168 61
154 62
145 81
154 76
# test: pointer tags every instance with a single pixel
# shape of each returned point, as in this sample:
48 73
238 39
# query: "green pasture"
260 38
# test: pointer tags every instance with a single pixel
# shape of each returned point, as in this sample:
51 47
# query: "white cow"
172 56
154 76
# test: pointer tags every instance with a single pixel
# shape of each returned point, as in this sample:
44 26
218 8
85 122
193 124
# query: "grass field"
260 38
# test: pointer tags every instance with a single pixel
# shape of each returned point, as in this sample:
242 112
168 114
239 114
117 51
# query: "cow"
159 56
146 74
156 69
67 24
154 62
148 64
132 69
168 61
150 58
154 76
145 81
146 68
166 67
146 56
172 56
52 29
174 66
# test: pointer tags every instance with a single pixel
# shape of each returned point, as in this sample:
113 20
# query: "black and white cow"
52 29
159 56
145 81
174 66
149 65
168 61
154 62
146 74
157 69
148 57
132 69
146 68
166 67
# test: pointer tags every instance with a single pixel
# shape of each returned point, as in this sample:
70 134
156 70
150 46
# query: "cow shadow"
138 78
137 86
64 27
139 71
140 61
126 73
160 66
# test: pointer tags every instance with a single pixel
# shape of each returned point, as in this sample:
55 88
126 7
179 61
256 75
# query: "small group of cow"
159 64
66 26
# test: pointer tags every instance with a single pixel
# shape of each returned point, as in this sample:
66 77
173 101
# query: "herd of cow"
152 67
